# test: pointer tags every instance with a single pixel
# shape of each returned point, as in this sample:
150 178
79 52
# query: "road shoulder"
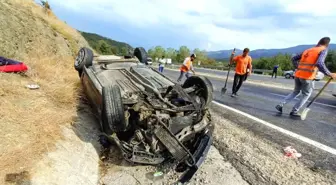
259 160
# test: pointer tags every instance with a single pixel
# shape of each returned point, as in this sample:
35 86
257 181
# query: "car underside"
149 117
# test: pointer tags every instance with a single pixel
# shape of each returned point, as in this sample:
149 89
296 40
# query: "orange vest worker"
307 66
186 65
242 63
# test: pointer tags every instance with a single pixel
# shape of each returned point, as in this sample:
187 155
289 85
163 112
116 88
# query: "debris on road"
33 86
158 174
214 171
290 152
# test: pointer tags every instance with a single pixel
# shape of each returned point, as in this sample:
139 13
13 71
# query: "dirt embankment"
30 120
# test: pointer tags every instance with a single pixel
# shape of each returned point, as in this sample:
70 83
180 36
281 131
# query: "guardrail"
223 68
261 71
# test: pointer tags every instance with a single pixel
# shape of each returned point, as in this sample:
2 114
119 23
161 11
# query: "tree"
159 51
151 53
183 53
284 62
103 48
331 61
115 46
124 51
171 53
45 5
114 50
202 57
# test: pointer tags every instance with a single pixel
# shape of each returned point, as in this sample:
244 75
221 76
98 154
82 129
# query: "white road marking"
333 106
284 131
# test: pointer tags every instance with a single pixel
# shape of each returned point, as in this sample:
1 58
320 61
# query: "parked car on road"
288 74
150 118
291 74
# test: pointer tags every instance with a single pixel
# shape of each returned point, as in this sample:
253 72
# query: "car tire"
202 83
141 54
288 76
113 119
84 58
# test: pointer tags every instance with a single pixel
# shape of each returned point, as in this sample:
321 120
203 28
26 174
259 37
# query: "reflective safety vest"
307 66
186 65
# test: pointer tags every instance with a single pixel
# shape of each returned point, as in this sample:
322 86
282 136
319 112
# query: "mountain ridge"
113 46
258 53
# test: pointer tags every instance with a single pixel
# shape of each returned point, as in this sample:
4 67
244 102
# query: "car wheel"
204 87
141 54
287 76
84 58
113 119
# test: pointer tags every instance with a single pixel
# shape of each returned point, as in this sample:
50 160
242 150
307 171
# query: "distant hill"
104 45
223 54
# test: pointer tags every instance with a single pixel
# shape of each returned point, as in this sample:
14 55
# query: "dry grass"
71 35
30 120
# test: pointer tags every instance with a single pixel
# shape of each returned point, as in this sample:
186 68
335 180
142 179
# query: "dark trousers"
275 73
237 82
181 75
245 78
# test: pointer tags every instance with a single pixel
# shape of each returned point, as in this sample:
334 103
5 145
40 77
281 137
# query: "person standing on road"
275 70
306 65
162 62
243 62
186 67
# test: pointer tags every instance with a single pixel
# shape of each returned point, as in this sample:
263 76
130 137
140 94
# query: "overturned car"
149 117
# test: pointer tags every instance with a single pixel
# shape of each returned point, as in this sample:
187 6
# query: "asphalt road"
257 77
260 102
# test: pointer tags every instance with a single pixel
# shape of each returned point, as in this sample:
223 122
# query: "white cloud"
220 24
321 8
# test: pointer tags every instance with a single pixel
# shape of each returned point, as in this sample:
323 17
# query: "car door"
91 88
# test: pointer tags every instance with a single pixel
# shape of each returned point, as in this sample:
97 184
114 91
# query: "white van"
169 61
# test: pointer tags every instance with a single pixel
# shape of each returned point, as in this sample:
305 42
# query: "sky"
206 24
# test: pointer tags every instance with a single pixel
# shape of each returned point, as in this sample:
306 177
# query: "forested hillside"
106 46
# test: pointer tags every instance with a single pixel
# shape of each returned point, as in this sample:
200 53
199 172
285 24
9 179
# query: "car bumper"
200 155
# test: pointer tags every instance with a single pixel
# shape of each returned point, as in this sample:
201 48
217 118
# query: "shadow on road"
22 178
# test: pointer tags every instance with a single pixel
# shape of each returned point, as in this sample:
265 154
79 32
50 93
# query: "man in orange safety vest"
243 62
307 64
186 67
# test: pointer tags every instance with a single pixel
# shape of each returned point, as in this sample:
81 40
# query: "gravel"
238 157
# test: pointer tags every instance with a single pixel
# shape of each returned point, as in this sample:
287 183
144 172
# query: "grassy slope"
30 119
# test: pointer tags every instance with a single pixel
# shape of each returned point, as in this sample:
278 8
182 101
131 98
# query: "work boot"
295 114
279 108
